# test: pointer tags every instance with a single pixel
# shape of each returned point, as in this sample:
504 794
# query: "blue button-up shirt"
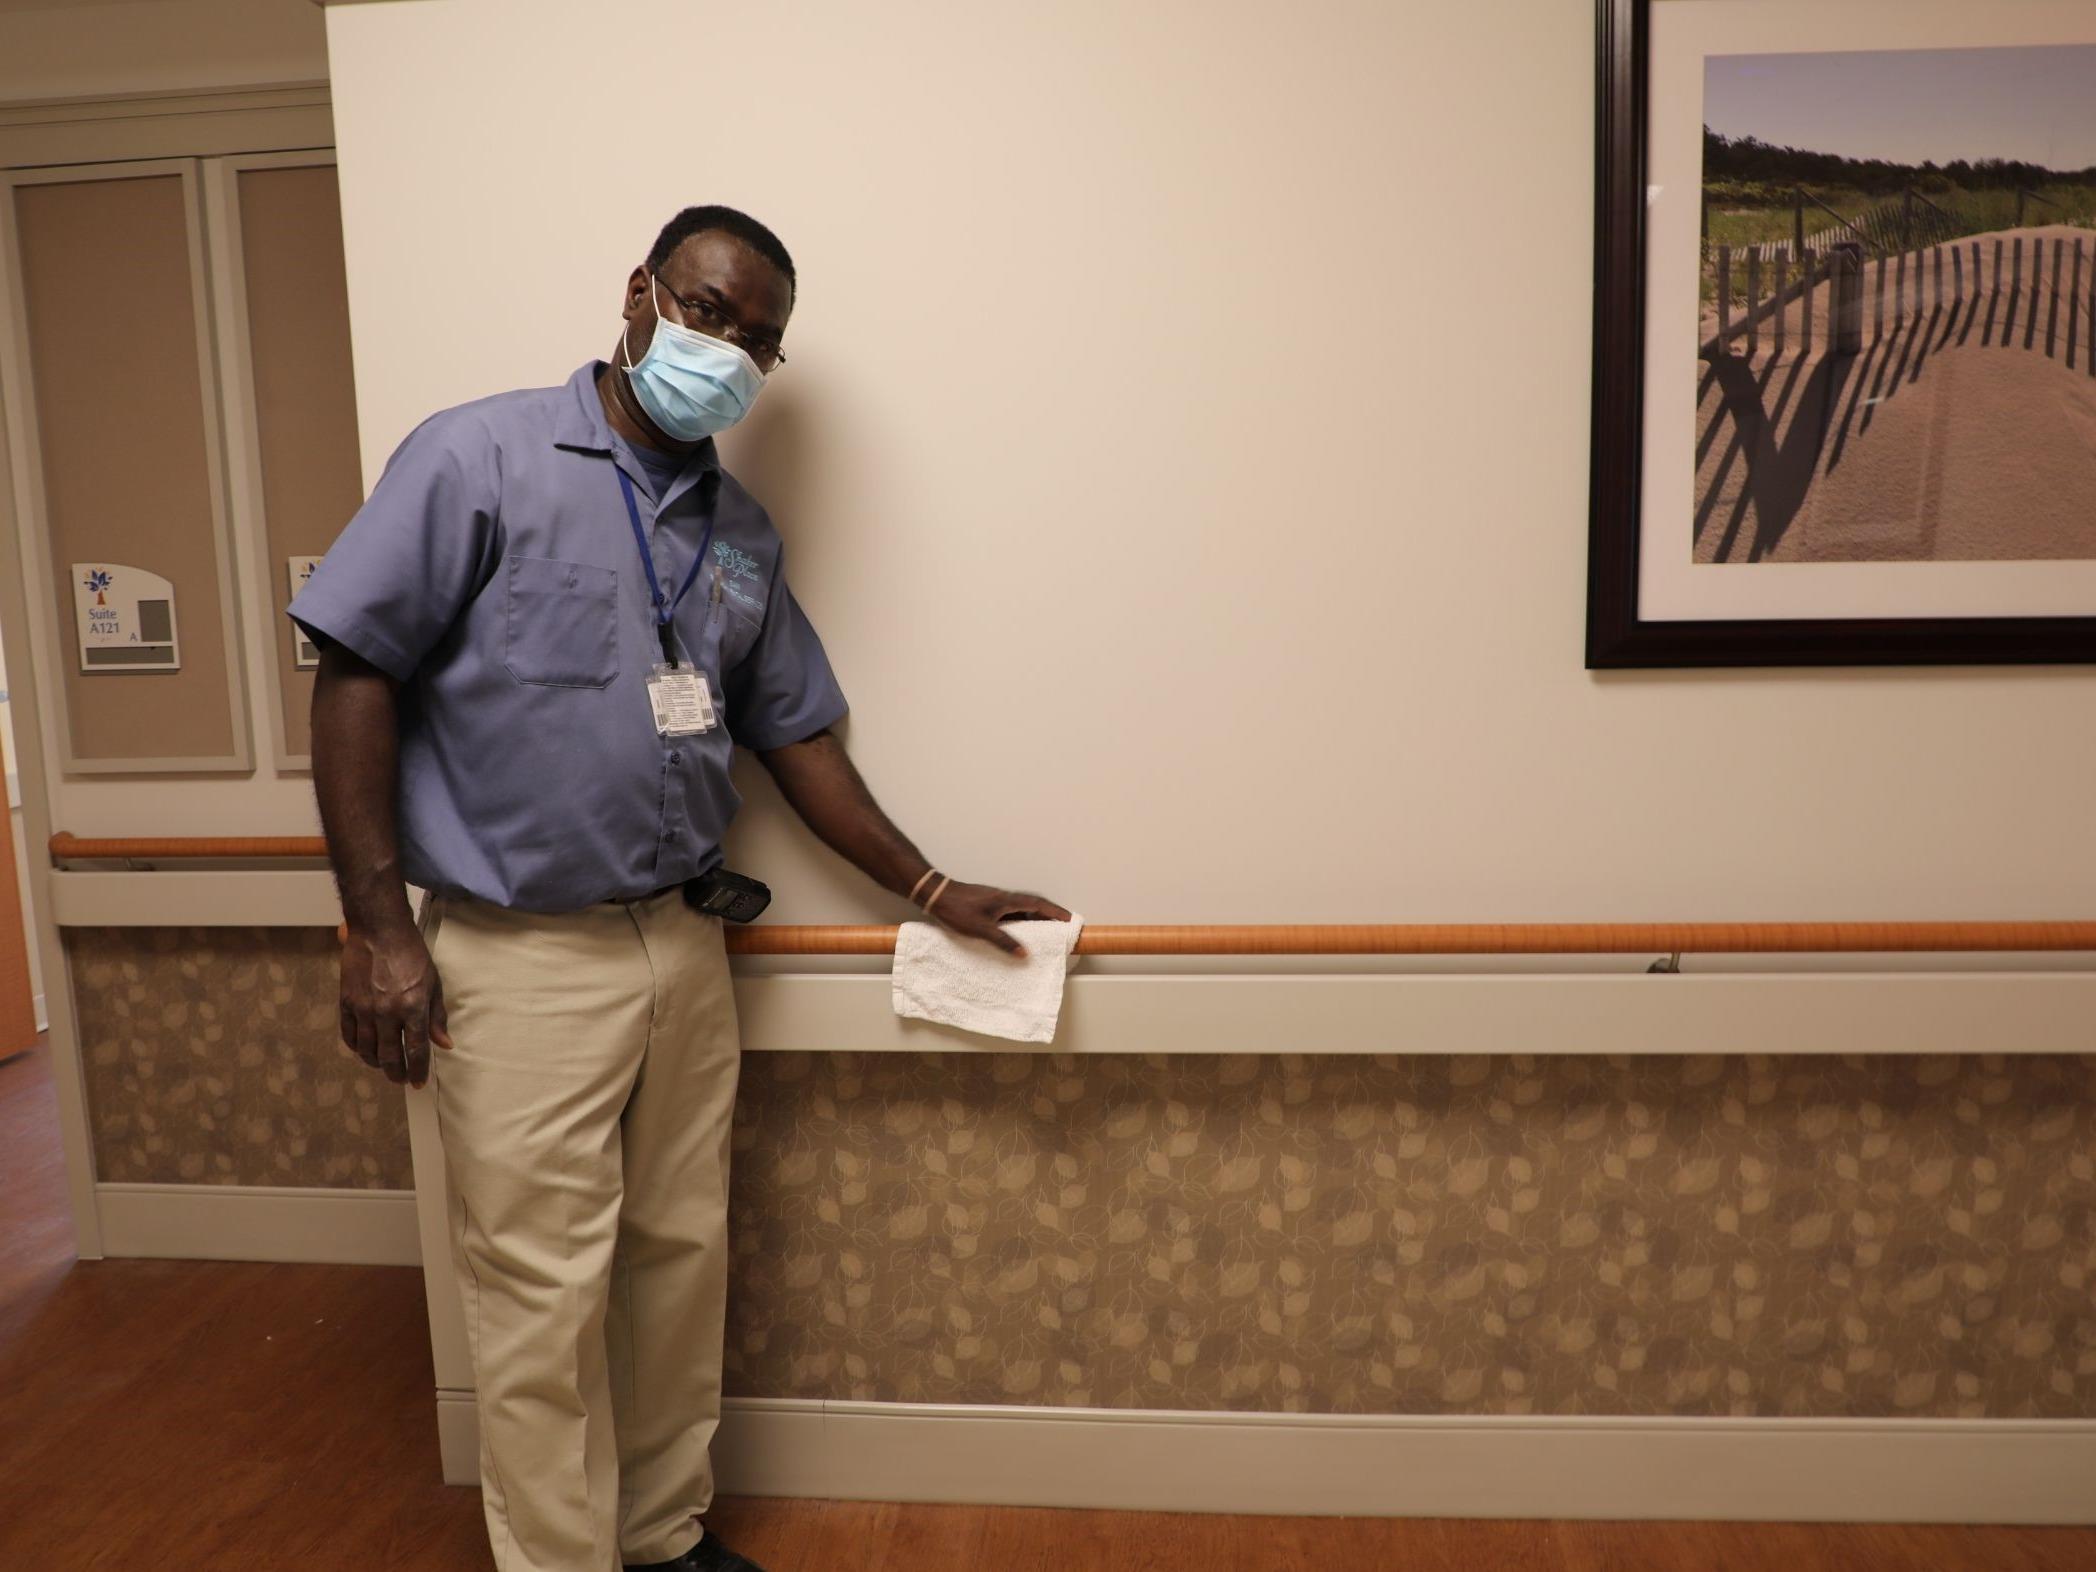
495 574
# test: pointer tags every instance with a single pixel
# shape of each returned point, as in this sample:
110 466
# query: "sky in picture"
1912 106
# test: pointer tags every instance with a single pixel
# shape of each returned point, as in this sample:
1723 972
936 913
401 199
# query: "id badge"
682 701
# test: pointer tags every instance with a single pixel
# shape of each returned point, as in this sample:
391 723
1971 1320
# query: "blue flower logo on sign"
99 580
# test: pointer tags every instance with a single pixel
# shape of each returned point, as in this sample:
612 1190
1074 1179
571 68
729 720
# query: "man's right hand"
392 1002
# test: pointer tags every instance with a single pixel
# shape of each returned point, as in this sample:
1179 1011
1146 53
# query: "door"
17 993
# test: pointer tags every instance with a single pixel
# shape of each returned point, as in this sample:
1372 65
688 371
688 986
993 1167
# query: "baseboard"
207 1222
1324 1465
43 1016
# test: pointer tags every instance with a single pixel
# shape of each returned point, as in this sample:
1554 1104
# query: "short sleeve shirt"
495 574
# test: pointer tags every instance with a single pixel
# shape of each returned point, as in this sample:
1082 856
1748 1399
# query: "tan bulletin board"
114 423
283 308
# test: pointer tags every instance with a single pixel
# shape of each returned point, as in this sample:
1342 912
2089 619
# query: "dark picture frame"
1617 635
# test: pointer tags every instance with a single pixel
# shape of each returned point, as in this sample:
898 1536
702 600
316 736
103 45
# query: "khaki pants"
585 1114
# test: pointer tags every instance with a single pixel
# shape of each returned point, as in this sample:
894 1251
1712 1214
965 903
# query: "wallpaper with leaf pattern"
1772 1236
213 1056
1795 1236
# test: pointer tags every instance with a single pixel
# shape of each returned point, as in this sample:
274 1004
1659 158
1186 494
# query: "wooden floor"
162 1416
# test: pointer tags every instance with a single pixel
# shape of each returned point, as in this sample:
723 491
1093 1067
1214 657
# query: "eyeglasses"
709 319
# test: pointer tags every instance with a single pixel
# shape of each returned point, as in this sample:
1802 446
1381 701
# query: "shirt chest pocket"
738 632
563 623
741 616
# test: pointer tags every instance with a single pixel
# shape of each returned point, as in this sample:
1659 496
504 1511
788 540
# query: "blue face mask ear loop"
625 342
626 348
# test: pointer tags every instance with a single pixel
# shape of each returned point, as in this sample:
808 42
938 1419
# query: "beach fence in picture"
1899 223
2033 292
1913 218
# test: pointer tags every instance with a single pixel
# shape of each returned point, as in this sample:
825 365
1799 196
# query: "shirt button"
676 757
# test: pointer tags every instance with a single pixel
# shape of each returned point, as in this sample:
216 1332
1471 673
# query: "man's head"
721 273
725 278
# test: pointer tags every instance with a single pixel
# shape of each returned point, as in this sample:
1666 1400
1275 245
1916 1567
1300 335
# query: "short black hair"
729 221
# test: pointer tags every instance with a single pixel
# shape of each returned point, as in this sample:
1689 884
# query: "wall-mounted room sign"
305 655
126 619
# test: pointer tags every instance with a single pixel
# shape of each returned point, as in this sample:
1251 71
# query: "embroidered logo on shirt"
738 571
736 564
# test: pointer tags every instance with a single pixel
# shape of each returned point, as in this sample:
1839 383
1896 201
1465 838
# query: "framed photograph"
1844 333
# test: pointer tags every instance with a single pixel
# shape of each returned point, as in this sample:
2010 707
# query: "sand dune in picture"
1963 428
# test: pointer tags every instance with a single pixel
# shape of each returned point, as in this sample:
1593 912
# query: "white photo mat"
1671 585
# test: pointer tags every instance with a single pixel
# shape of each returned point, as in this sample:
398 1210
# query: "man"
541 638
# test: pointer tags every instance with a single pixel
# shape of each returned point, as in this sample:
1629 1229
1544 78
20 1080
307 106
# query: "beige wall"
1183 453
71 48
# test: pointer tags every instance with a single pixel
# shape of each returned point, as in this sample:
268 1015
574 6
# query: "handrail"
1661 938
1539 938
174 848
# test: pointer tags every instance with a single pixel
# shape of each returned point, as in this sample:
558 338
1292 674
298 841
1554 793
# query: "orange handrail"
1583 938
173 848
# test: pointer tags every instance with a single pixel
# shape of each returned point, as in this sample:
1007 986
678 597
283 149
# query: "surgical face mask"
690 385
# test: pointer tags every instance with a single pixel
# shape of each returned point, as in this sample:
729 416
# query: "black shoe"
708 1555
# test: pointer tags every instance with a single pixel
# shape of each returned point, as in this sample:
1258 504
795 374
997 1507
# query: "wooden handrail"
1588 938
175 848
1583 938
1466 939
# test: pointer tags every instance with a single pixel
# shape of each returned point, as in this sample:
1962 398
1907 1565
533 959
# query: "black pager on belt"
732 897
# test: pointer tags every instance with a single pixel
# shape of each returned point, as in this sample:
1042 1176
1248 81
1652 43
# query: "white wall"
70 48
1183 452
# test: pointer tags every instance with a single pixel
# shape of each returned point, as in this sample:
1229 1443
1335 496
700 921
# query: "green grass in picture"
1735 221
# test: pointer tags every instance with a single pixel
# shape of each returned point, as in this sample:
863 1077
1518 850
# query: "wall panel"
114 366
298 392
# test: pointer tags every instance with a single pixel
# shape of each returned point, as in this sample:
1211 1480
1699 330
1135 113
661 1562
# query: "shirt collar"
578 422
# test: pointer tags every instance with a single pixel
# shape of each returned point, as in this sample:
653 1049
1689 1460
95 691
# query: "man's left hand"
977 909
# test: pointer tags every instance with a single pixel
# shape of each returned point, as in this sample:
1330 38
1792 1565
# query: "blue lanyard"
665 610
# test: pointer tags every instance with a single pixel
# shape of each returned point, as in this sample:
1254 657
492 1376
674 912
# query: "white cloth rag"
970 983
